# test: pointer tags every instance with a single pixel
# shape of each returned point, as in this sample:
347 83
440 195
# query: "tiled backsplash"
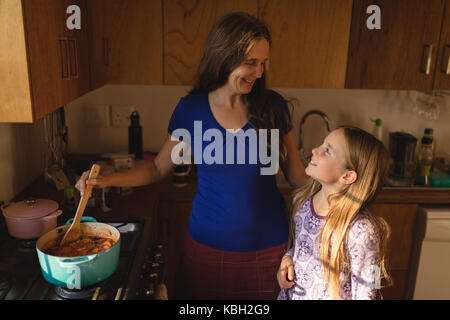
156 103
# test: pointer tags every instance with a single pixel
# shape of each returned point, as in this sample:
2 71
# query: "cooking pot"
83 271
30 218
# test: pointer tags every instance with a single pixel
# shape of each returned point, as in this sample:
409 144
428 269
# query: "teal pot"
83 271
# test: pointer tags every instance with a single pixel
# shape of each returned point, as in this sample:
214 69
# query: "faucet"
303 157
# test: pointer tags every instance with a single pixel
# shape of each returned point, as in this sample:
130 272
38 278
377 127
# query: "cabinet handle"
64 56
105 42
73 63
426 61
446 69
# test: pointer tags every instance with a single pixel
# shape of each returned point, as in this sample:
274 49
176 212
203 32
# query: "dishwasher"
429 276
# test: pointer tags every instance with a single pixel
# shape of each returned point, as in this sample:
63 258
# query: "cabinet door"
309 42
44 26
126 41
171 225
401 218
78 53
186 27
400 55
442 77
15 92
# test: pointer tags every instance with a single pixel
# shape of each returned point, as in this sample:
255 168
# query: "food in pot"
86 245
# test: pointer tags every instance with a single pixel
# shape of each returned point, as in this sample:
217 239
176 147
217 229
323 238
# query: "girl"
337 248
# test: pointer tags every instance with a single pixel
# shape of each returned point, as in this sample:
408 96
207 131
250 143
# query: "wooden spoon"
74 231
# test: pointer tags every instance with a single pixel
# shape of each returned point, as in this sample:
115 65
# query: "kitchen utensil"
74 232
402 148
83 271
30 218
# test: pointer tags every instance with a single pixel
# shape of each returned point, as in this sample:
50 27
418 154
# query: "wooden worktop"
144 199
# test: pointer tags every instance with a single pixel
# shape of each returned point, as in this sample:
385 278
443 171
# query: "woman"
238 228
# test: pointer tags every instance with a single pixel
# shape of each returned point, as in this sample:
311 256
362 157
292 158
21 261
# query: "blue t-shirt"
236 208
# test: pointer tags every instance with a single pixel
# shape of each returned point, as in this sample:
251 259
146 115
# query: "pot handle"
75 260
3 204
83 219
52 215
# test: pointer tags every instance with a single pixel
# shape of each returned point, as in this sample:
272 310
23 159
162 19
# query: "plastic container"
439 179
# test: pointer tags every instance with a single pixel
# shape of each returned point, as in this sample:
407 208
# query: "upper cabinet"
186 27
442 73
309 42
43 64
403 53
126 41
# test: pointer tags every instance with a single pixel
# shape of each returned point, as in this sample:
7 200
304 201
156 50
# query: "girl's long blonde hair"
368 157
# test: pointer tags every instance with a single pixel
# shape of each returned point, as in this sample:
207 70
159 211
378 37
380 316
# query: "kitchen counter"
143 200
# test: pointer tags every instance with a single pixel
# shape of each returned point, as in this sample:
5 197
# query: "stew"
84 246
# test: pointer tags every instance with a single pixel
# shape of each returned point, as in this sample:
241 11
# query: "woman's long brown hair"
227 45
368 157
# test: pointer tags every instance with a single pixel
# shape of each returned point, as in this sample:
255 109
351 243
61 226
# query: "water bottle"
428 133
135 136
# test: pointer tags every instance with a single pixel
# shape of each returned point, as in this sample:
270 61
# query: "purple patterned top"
364 276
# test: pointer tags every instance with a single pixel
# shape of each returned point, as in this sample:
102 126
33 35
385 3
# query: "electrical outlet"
96 116
120 116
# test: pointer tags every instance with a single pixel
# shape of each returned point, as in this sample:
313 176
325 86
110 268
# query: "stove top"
141 267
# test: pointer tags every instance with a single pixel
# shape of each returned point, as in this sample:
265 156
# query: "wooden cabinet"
43 65
401 218
126 42
186 27
442 73
309 42
171 224
400 55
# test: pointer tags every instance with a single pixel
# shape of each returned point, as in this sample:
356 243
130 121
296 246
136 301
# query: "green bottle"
424 162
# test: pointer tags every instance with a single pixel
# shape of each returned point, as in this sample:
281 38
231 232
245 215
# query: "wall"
22 146
21 157
156 103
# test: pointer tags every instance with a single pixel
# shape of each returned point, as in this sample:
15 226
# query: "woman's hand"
286 271
99 182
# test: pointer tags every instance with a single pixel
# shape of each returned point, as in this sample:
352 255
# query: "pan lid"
29 209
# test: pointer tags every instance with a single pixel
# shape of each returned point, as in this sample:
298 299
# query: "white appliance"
431 258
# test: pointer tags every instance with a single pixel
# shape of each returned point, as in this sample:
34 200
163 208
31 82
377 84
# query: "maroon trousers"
207 273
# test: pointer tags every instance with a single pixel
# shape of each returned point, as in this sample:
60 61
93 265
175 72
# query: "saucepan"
30 218
82 271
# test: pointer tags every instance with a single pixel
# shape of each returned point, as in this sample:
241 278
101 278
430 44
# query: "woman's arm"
146 173
292 166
